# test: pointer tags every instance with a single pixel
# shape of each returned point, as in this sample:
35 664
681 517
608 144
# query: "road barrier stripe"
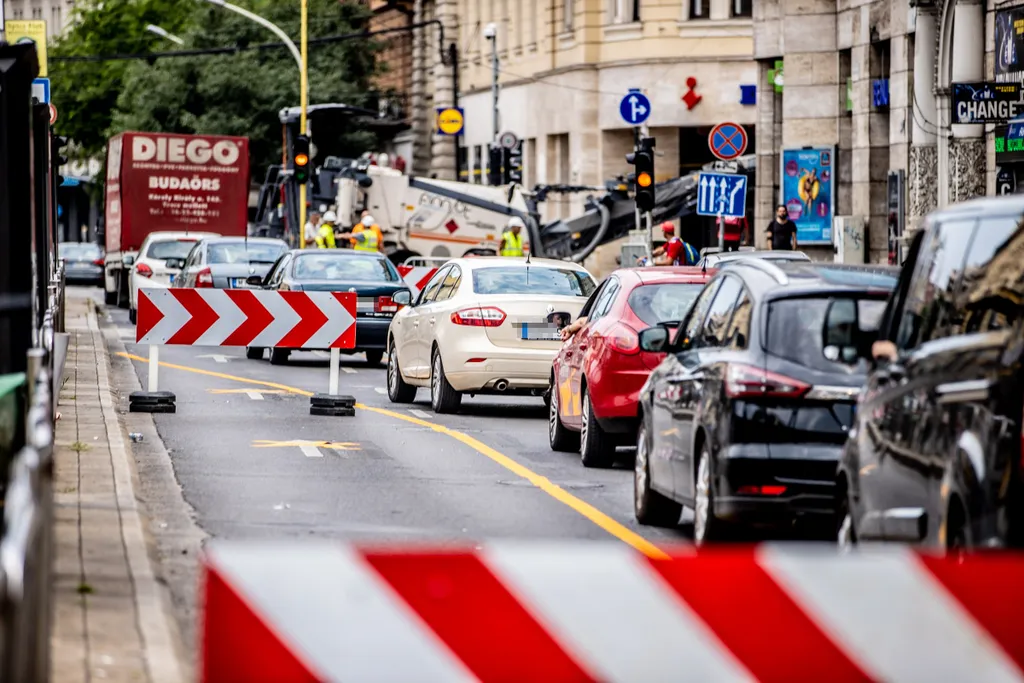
596 611
416 277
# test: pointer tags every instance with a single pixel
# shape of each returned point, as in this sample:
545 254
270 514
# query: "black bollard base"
151 402
332 406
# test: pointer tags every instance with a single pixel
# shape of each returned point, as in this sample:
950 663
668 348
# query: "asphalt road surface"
251 462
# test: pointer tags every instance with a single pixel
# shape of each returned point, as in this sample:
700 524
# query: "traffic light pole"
304 103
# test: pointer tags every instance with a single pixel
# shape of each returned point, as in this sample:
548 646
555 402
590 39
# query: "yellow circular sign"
449 121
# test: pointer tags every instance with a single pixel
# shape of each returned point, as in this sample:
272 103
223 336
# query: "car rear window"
533 280
172 249
79 251
795 329
663 302
239 252
344 267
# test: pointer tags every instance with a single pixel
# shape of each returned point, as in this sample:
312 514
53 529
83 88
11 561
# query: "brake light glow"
761 490
624 339
485 316
204 278
745 381
144 270
385 304
98 262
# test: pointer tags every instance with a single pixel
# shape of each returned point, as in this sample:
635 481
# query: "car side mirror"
654 339
402 297
254 281
128 261
840 332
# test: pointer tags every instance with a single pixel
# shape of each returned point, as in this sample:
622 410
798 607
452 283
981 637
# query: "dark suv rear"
935 457
745 419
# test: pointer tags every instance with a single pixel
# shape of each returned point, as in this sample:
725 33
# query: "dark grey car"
227 262
83 261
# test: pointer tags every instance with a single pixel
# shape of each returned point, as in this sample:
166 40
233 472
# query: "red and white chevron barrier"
241 317
602 612
416 277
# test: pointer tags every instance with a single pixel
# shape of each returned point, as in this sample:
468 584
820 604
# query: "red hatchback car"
598 373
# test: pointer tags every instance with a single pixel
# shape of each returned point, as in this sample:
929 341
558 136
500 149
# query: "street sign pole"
304 101
650 239
721 232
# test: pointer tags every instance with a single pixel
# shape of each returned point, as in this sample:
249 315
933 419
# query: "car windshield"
239 252
665 302
328 266
795 330
83 252
171 249
533 280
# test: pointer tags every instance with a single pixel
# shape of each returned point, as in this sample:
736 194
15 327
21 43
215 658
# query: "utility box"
634 249
849 239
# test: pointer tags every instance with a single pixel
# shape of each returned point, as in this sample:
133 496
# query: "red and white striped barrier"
602 612
416 277
242 317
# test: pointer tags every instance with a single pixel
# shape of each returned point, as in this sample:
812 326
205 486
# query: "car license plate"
237 282
540 332
171 281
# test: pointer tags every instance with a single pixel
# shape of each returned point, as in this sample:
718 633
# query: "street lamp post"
301 61
164 33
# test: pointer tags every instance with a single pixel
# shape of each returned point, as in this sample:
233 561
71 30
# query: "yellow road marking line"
602 520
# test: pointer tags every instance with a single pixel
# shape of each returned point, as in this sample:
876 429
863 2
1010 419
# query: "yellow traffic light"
301 159
643 180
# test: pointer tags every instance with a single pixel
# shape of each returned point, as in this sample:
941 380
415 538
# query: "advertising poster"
1009 56
807 191
31 31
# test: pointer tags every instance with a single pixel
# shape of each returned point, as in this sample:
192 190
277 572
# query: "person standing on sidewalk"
312 229
735 233
781 231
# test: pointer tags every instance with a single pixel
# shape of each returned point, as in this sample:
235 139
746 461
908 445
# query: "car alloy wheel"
585 418
435 380
552 416
398 390
560 438
702 500
444 399
640 476
846 539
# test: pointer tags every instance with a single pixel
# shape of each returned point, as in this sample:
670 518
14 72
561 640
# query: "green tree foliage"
86 93
242 93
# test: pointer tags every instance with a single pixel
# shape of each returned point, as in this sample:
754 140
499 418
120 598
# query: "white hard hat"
516 221
330 217
367 220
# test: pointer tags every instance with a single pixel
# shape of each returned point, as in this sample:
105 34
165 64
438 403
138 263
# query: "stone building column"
421 124
767 145
870 141
442 161
923 174
967 163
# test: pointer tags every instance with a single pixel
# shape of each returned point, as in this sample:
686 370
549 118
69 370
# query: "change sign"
986 102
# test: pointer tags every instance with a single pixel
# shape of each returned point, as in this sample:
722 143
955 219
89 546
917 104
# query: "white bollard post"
335 371
154 367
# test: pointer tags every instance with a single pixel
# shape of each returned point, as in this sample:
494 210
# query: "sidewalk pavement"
112 619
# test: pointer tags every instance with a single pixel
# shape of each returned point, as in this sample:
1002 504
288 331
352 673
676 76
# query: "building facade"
564 65
872 80
56 13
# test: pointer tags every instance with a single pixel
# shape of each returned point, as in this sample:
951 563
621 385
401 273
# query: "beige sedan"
483 326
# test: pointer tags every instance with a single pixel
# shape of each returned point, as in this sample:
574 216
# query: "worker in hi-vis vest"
363 236
325 234
512 238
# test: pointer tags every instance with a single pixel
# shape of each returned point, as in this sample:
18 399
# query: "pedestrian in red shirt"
675 252
735 233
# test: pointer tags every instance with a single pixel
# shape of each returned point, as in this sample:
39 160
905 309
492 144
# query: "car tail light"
204 278
745 381
761 490
385 305
144 270
624 339
98 262
486 316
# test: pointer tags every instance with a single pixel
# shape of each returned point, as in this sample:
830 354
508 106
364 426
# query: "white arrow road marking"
421 413
229 318
285 318
254 395
338 320
175 315
217 357
347 370
311 451
380 390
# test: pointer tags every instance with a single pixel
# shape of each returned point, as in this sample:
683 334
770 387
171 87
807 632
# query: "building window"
568 10
37 12
624 11
742 8
700 9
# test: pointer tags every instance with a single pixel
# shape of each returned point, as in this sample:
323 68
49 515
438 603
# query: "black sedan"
745 419
372 277
229 262
83 262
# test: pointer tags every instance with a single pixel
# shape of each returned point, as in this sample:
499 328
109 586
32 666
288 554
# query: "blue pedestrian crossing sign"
41 90
722 194
635 108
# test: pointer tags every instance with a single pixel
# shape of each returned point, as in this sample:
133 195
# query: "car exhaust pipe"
501 385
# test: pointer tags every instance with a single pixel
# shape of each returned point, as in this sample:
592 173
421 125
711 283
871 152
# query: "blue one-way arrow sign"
635 108
722 194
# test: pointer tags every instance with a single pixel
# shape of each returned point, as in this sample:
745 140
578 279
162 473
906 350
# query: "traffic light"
300 159
642 161
57 156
